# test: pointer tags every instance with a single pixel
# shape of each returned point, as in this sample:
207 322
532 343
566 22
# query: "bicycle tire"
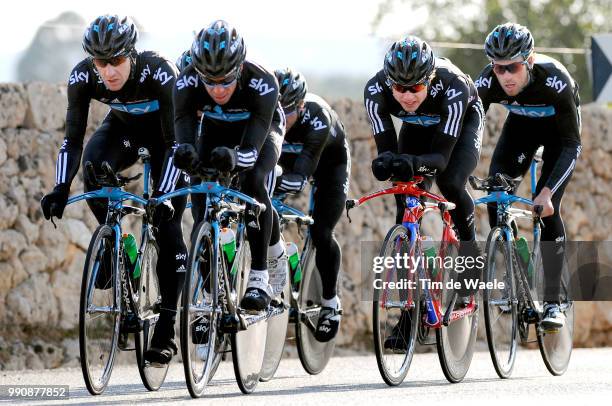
455 342
148 301
103 239
398 234
494 309
202 269
314 355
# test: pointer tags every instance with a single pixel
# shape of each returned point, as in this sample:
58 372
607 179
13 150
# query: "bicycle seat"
498 183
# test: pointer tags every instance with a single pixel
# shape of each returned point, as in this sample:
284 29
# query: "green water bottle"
429 251
129 245
294 262
228 244
523 250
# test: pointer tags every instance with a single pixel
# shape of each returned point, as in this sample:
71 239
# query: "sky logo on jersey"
483 82
373 89
317 124
218 114
555 83
163 77
452 93
187 81
76 77
136 108
145 72
438 87
531 111
425 121
262 87
292 148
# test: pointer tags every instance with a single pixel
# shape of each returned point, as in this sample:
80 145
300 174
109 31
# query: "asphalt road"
354 381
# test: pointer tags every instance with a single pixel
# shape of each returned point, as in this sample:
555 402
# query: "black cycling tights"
111 144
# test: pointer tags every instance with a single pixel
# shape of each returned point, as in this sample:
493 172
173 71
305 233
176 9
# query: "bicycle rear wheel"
200 341
456 341
248 346
314 355
389 304
276 334
99 310
148 301
556 348
500 305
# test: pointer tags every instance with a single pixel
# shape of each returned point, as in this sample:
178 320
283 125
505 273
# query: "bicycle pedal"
155 365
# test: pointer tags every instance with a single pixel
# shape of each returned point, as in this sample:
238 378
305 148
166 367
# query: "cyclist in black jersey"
316 145
137 86
242 129
544 110
440 137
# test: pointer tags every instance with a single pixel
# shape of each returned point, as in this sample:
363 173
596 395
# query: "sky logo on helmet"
234 46
76 77
414 55
262 87
122 28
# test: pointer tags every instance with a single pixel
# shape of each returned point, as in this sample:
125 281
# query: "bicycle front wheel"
500 305
99 310
147 297
200 341
396 310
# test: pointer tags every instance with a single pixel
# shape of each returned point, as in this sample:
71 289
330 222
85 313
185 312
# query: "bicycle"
306 289
114 301
510 310
421 301
214 286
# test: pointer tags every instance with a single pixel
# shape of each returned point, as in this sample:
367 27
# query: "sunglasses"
419 87
512 68
225 82
116 61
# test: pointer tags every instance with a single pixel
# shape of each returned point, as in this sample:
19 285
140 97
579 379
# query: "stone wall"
40 266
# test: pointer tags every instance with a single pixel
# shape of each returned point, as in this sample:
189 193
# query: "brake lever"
110 174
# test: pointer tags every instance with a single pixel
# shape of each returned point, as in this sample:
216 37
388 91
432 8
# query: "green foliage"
553 23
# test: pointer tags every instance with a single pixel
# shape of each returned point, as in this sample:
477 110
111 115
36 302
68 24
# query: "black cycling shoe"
255 300
328 324
398 340
105 271
162 353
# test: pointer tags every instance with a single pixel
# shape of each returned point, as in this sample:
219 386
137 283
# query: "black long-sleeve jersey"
450 95
318 130
146 95
252 109
552 94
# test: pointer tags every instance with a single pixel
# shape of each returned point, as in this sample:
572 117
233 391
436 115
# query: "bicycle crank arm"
449 310
306 315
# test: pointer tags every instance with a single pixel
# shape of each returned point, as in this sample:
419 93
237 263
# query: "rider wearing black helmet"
184 60
244 128
544 107
316 145
137 86
440 136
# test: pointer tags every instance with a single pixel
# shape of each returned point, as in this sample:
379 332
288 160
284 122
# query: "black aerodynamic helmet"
409 61
507 41
109 36
293 87
218 50
184 60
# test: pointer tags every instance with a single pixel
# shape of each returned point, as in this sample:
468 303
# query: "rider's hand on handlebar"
402 167
291 183
224 159
185 157
54 203
381 166
544 199
163 211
